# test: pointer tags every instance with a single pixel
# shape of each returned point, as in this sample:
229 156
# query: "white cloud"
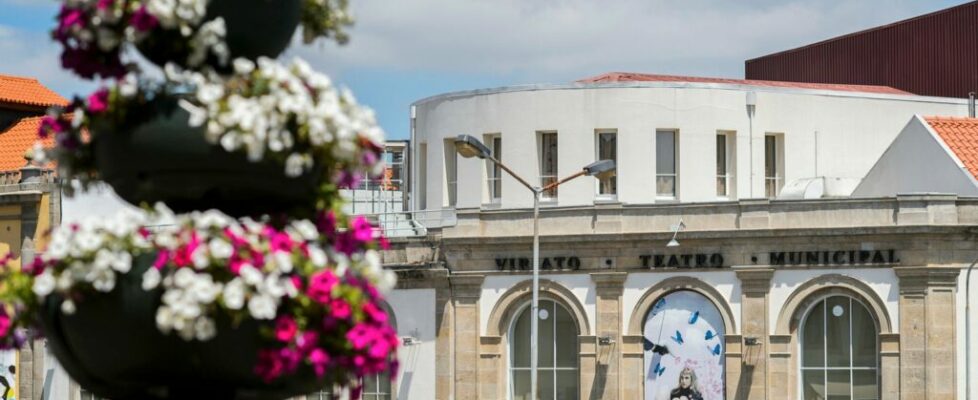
34 55
567 39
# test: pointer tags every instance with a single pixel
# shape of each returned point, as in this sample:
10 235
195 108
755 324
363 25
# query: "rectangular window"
495 173
608 150
726 164
394 174
665 164
422 176
548 162
451 173
773 164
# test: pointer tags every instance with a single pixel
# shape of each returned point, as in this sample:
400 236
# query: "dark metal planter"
112 347
164 159
255 28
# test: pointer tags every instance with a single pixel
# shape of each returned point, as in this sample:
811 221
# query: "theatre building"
756 242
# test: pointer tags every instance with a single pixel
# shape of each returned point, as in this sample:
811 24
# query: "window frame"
675 166
451 173
730 156
777 179
547 177
493 172
801 368
606 197
525 307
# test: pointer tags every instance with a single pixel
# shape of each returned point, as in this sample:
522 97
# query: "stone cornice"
917 280
467 286
754 280
609 283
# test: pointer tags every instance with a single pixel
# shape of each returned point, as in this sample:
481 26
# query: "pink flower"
4 325
162 258
104 4
363 231
143 21
341 309
49 125
321 286
98 102
375 313
319 359
269 366
285 328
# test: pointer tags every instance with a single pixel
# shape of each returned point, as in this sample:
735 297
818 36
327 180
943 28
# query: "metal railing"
411 223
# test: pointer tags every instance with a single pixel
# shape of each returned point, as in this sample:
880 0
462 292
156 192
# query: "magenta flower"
104 4
363 231
319 360
321 286
50 125
98 102
269 366
341 309
285 328
375 313
4 325
143 21
162 258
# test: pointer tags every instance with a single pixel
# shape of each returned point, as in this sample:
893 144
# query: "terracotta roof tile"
16 140
637 77
28 91
961 136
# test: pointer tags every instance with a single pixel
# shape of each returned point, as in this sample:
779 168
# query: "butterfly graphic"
655 348
659 369
715 350
710 335
678 338
693 318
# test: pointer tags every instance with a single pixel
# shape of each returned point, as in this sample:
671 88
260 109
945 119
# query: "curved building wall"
838 135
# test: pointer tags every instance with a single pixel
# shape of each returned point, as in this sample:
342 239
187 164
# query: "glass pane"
813 338
566 339
520 341
813 385
721 186
369 397
721 154
552 192
370 384
521 385
864 350
384 384
665 186
864 385
546 339
837 339
497 151
770 156
567 385
545 383
665 152
548 157
608 150
838 385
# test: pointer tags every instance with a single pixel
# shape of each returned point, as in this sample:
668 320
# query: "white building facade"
783 286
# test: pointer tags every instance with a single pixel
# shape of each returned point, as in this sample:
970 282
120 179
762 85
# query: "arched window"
839 351
557 373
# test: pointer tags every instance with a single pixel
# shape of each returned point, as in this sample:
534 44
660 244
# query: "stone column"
607 377
755 284
927 334
466 290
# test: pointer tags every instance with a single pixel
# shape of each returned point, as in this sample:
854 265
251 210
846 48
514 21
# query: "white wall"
853 131
725 282
100 201
917 161
882 280
414 310
495 286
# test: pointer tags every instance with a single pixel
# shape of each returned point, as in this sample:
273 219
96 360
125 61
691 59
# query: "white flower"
68 307
250 275
234 294
44 284
103 280
262 307
243 66
283 261
205 329
204 289
317 256
183 278
151 279
220 249
199 258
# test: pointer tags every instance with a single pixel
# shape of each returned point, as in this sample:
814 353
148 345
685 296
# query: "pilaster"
927 332
466 290
755 284
607 380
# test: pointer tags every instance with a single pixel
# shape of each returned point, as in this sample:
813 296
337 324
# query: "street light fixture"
468 146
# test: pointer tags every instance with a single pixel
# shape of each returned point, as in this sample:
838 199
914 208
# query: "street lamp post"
468 147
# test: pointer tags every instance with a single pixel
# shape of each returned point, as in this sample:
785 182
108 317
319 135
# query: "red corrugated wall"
934 55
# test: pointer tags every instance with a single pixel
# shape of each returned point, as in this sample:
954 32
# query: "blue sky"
405 50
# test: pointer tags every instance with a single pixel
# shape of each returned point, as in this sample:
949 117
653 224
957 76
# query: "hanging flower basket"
112 347
209 308
165 159
250 29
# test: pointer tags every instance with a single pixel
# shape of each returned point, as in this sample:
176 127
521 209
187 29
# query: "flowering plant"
286 113
16 304
315 286
95 33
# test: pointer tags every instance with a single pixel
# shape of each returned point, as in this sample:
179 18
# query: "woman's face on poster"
685 380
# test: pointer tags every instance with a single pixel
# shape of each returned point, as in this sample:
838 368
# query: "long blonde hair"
692 379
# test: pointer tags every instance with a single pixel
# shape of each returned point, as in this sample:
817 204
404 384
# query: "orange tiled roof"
636 77
16 140
28 91
961 136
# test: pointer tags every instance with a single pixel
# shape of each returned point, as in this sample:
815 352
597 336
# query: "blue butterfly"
716 349
659 304
678 338
710 335
659 369
694 317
